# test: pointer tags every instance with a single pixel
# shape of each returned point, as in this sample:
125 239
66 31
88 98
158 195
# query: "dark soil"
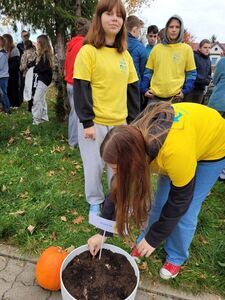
110 278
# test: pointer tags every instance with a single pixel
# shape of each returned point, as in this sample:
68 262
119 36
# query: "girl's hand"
144 248
89 133
94 243
149 94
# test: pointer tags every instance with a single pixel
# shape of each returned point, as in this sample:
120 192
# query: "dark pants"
195 96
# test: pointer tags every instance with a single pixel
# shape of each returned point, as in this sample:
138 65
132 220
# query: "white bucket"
66 295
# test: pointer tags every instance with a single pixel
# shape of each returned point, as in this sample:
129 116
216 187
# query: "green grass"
41 181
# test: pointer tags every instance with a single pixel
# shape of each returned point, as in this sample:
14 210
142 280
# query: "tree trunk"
78 8
61 105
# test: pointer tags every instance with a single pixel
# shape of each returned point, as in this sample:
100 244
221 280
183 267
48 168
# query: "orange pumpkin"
48 268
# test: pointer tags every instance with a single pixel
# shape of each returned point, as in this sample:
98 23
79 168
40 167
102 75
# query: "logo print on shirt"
176 57
177 118
123 65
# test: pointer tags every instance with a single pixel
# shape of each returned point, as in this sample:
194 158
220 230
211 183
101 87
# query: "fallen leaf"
4 188
18 213
63 218
51 173
21 179
58 149
31 228
53 236
74 212
78 167
73 173
86 230
70 249
78 220
11 162
28 138
202 239
24 195
11 141
143 266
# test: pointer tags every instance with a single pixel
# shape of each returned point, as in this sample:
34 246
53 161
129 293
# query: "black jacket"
44 71
203 66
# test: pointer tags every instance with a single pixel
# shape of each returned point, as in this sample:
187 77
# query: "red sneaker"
135 254
169 271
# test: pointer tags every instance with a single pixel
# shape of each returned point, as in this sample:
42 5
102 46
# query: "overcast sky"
202 18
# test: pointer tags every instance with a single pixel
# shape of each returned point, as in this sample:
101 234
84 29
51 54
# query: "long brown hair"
132 148
45 49
96 34
125 147
9 45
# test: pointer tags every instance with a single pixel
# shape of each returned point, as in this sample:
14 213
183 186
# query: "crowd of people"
25 74
131 107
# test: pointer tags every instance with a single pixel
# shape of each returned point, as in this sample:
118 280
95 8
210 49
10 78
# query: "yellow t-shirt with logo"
197 134
169 63
109 73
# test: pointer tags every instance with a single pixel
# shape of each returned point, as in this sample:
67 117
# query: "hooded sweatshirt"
72 50
172 66
4 66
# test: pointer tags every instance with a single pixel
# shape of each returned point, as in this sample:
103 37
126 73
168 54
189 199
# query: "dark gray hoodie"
181 34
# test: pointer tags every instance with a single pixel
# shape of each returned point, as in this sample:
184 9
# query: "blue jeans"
178 242
4 98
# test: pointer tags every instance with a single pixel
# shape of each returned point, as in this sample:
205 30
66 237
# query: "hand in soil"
94 243
144 248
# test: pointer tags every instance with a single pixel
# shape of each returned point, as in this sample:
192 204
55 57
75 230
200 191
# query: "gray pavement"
17 282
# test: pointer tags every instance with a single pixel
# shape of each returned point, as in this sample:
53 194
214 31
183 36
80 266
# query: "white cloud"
202 18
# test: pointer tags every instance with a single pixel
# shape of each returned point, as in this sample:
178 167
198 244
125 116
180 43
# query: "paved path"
17 282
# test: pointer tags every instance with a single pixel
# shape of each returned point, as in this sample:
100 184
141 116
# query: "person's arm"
190 77
178 202
108 213
83 102
143 57
133 101
145 82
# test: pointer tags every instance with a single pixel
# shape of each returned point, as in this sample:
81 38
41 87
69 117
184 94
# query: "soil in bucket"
110 278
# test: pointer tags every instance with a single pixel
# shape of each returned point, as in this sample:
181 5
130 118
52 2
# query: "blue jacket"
139 55
217 99
203 66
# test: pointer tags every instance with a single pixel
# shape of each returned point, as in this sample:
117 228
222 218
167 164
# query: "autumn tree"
188 38
56 18
133 5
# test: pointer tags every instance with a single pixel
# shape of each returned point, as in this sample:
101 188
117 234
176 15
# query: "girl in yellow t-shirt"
105 91
188 152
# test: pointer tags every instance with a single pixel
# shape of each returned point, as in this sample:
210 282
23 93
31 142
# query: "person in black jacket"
203 66
14 71
42 79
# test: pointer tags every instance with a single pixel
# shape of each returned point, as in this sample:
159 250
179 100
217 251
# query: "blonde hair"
45 49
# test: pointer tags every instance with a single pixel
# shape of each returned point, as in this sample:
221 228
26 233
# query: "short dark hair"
153 28
133 21
81 27
28 44
203 42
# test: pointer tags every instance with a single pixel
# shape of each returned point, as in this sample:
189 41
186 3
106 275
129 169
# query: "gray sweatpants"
73 119
39 108
93 164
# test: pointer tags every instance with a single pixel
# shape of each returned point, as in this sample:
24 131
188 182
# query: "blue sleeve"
145 82
142 62
219 71
190 77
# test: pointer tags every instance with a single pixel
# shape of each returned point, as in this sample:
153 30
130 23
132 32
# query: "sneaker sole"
165 277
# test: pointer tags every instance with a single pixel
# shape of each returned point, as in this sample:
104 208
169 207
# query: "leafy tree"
56 18
188 38
213 38
133 5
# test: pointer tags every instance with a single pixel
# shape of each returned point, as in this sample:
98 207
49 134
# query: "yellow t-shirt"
109 73
169 63
197 133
